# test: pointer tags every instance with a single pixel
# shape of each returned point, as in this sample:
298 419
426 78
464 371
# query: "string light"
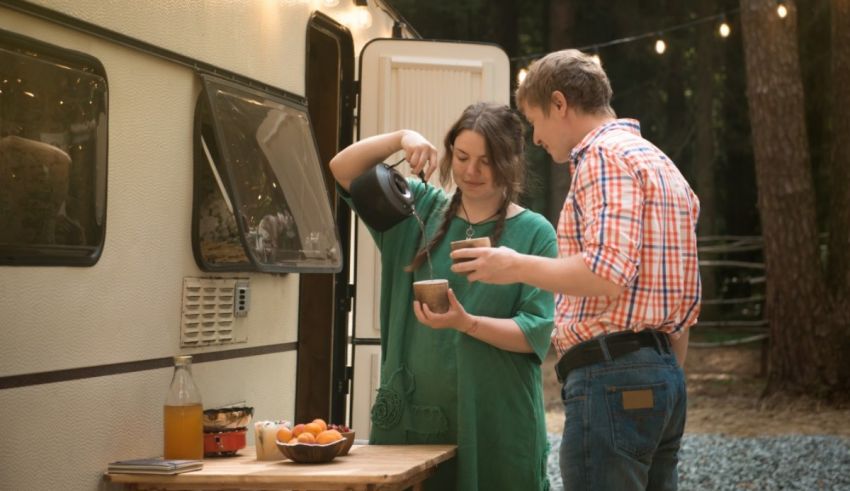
781 9
724 30
651 34
363 18
660 46
520 76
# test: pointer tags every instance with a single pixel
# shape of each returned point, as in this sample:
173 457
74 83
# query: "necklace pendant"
469 232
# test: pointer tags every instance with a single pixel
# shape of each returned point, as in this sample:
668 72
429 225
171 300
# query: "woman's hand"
455 318
419 153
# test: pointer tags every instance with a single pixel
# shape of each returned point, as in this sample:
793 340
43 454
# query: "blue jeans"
624 423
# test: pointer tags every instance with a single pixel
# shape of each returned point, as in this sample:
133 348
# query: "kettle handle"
421 174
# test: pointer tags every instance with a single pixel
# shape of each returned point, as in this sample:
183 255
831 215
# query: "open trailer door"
421 85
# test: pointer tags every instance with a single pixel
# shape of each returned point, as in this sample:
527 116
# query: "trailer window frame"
259 199
63 156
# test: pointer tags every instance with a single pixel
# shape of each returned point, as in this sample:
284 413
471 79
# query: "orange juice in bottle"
183 414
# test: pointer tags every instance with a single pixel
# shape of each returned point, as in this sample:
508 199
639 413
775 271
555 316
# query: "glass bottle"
183 414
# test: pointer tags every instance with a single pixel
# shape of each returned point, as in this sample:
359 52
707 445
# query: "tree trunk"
561 24
561 27
839 220
677 134
505 28
797 304
704 154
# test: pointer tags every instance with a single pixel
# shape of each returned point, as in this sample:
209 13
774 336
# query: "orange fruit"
321 423
293 440
313 428
328 436
284 434
297 430
306 437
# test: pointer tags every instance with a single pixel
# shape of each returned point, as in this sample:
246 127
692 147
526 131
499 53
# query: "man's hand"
495 265
455 318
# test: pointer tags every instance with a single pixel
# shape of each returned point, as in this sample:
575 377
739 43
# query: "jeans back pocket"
639 415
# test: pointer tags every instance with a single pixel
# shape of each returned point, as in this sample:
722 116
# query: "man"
627 276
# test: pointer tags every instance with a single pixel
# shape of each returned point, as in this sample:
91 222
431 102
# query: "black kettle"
382 197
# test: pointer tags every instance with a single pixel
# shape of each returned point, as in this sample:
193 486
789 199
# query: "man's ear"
559 102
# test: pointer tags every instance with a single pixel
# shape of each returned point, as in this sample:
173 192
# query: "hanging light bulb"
363 18
520 76
660 46
781 9
724 30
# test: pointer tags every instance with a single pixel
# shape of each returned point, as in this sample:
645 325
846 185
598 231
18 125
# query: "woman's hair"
578 76
504 140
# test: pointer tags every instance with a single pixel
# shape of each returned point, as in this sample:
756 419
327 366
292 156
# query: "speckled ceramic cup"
434 293
466 243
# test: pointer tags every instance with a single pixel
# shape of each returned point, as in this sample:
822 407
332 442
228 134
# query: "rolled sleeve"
610 264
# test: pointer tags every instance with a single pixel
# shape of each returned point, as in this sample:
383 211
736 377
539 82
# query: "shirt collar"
626 124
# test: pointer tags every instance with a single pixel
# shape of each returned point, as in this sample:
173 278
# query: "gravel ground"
714 462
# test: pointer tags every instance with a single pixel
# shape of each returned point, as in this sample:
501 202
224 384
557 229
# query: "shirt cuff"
610 264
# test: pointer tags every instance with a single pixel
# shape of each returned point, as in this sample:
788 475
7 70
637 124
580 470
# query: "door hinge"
344 384
347 299
350 98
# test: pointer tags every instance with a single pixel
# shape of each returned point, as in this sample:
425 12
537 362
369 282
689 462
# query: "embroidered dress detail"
388 407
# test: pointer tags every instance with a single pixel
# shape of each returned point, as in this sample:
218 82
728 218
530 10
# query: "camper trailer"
164 191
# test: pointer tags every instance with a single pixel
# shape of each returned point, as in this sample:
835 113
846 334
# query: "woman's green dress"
442 386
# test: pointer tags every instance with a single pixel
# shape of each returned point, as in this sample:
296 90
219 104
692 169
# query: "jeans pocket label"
638 399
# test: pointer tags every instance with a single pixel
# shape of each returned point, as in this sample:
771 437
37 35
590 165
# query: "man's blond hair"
578 76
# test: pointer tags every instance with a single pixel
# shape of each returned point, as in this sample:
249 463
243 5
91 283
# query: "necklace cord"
469 230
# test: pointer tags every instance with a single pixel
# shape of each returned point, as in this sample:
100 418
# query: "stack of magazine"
154 466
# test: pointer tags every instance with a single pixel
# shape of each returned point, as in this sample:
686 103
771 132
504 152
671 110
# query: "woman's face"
471 168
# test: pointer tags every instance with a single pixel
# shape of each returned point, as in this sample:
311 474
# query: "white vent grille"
208 312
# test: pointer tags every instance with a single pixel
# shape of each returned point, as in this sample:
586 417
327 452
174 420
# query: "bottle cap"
182 359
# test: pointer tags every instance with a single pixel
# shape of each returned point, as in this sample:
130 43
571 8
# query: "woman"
470 376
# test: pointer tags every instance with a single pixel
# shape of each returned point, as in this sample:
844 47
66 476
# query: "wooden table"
366 467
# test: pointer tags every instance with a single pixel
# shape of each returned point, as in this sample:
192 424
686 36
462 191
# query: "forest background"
754 120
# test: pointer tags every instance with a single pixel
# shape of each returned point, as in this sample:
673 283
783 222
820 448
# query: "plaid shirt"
632 216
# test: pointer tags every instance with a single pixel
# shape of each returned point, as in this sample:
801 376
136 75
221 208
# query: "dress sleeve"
611 201
536 310
425 197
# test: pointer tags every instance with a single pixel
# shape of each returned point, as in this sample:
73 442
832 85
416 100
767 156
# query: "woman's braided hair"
504 139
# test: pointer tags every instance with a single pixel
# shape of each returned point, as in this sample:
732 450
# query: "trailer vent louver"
208 315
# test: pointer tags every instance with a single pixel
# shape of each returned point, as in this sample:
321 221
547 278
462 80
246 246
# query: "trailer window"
53 105
260 199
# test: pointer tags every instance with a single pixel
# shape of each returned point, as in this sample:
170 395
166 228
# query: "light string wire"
655 33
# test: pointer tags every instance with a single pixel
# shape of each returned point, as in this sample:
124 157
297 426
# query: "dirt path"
724 387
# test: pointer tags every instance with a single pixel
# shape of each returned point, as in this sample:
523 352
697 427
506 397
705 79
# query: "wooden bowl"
310 453
349 441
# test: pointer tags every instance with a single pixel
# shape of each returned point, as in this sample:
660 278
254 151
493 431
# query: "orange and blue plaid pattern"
632 216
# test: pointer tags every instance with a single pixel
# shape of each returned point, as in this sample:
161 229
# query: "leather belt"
619 344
